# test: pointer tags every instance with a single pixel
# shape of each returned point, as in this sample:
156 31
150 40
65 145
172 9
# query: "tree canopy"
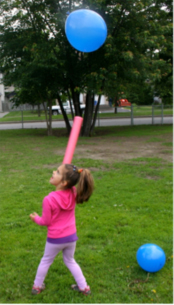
136 58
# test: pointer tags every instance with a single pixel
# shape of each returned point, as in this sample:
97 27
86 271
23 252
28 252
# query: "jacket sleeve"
45 219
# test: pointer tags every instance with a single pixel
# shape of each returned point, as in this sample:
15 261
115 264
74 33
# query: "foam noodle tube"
75 131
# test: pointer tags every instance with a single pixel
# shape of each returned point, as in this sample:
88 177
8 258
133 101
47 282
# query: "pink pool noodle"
75 131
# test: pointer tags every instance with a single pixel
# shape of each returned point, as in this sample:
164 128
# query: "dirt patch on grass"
124 148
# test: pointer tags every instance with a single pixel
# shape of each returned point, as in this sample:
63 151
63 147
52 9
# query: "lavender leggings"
51 250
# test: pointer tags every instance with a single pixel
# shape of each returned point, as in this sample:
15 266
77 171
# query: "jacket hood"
66 198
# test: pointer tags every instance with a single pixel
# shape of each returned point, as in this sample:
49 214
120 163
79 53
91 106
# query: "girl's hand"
33 215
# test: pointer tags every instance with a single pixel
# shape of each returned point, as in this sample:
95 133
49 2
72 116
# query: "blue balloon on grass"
85 30
151 257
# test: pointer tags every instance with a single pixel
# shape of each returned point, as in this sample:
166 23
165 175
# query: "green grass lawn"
17 116
131 206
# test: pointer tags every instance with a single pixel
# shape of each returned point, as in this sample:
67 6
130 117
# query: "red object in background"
123 102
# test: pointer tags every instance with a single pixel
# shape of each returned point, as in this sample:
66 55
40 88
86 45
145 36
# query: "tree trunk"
76 102
116 105
95 115
88 115
72 112
48 118
49 122
68 126
38 105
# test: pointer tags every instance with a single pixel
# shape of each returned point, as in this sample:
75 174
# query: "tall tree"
32 35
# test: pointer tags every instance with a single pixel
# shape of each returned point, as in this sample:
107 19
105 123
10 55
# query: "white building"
103 101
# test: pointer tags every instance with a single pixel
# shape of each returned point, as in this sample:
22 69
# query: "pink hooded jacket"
58 213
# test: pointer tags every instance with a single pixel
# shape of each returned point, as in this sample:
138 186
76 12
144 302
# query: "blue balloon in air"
85 30
151 257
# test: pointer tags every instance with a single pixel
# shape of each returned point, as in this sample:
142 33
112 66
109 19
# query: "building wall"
102 102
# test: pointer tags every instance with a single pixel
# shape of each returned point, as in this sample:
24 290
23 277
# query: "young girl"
58 214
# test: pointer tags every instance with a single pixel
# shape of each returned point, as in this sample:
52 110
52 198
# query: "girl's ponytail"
85 186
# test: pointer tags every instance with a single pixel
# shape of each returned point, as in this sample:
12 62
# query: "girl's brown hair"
84 180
